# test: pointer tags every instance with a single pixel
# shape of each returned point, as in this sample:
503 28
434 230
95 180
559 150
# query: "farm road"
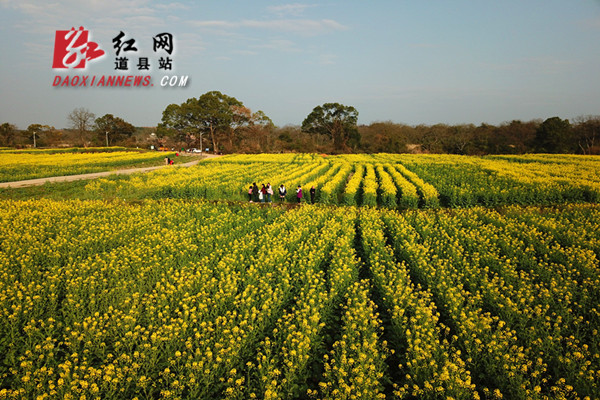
71 178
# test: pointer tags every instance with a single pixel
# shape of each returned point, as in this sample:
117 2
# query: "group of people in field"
265 193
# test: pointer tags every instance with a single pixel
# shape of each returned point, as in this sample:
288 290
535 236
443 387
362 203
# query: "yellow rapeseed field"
188 299
16 166
387 180
172 285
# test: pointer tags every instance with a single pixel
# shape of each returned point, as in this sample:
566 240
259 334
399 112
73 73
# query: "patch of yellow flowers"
350 195
331 190
181 299
494 180
409 198
387 187
388 180
21 166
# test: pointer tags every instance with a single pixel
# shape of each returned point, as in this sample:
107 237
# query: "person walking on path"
299 194
282 192
255 191
250 194
313 192
269 192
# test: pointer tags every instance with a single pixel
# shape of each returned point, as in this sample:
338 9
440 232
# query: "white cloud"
38 20
43 17
295 9
305 27
214 24
172 6
191 42
245 52
282 45
143 20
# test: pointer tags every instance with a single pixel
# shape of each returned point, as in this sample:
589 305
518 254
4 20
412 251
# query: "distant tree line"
553 135
85 130
222 124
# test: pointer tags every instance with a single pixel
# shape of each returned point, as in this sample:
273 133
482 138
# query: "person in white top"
282 192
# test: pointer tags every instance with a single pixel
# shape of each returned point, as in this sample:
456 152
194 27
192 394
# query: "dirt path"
71 178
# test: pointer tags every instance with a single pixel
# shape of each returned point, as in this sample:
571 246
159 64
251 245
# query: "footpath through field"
71 178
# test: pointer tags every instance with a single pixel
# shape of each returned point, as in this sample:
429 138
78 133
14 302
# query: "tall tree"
212 113
81 120
335 121
178 121
554 136
113 129
217 114
7 134
241 118
257 132
35 131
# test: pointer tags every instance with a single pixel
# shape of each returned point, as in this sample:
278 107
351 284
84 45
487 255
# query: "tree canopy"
220 116
115 128
553 135
7 134
35 132
337 121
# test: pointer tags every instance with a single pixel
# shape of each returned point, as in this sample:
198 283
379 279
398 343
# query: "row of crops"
196 300
16 165
386 180
496 180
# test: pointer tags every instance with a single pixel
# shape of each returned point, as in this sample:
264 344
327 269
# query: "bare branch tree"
81 120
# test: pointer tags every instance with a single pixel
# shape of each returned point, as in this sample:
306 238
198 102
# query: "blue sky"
413 62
